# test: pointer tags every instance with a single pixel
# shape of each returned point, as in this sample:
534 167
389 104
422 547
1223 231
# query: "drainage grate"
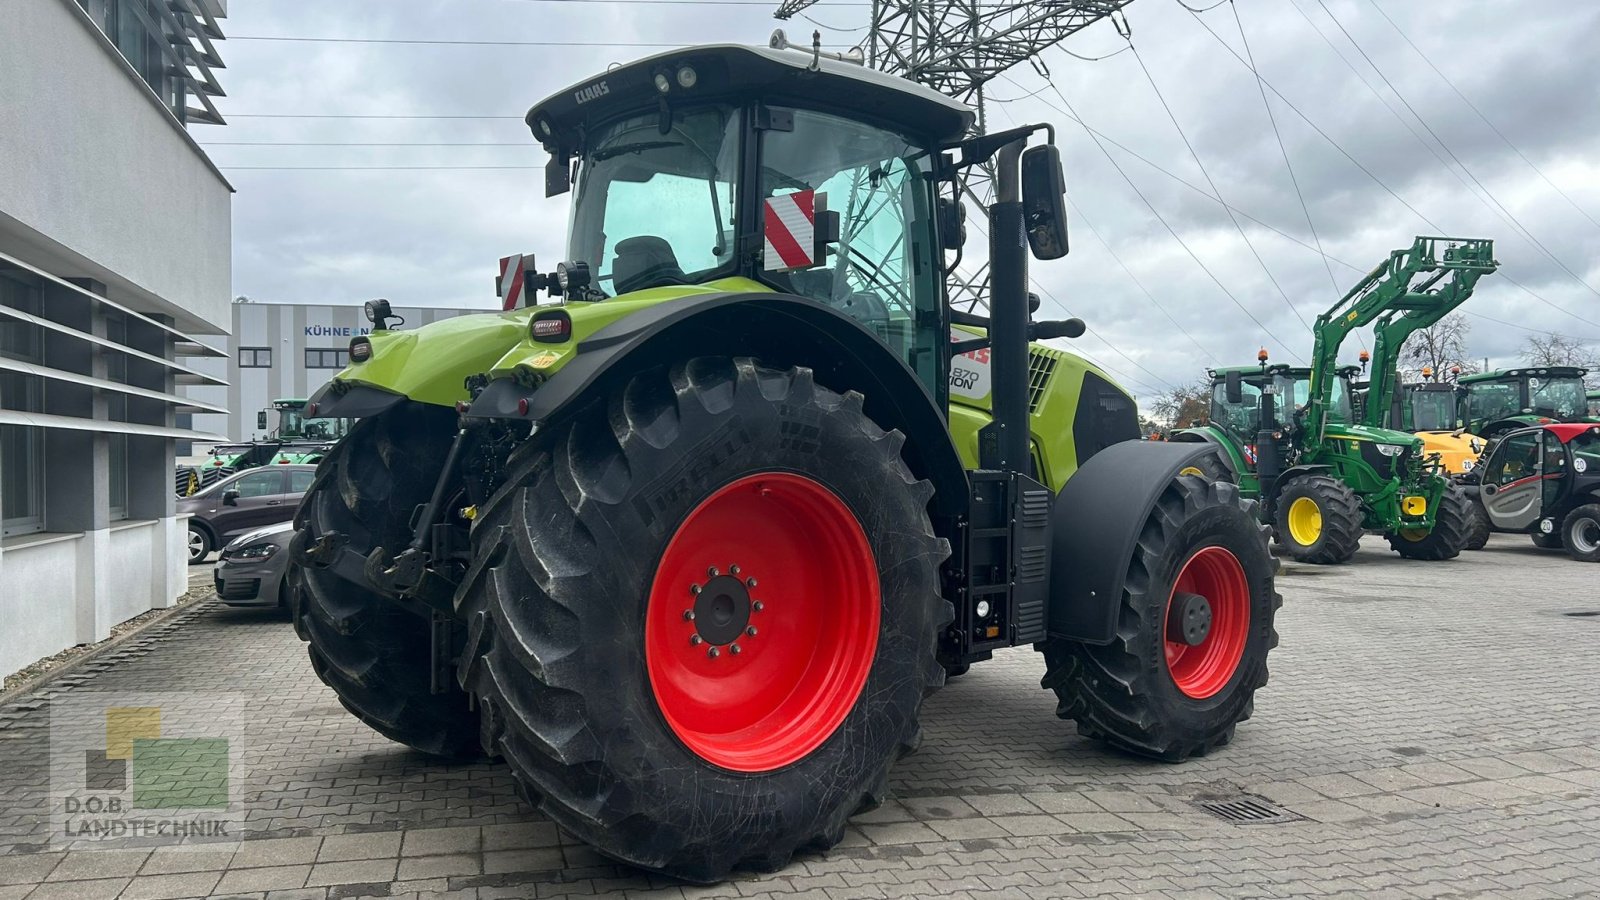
1247 809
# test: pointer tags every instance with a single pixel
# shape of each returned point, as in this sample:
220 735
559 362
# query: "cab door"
1513 482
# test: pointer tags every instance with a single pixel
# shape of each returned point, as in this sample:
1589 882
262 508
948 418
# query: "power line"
1325 136
1472 106
1215 190
1507 214
1175 236
1293 179
370 168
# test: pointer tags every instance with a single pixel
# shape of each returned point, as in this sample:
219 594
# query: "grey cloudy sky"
432 236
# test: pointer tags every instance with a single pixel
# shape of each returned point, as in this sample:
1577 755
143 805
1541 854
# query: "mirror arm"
959 347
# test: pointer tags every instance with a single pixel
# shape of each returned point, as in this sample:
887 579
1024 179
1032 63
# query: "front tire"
1580 533
374 653
1151 691
1452 526
1319 520
670 710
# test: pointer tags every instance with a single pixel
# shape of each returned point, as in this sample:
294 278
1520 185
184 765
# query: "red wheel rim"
776 566
1202 670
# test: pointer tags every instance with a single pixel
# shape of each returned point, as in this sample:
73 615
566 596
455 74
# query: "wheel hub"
721 610
1188 619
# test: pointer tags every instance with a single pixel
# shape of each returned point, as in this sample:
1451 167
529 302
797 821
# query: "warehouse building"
115 262
283 351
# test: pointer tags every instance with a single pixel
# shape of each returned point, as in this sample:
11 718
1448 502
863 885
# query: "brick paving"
1430 730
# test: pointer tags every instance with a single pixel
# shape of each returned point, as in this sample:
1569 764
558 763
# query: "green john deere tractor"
689 545
1503 401
1291 435
295 440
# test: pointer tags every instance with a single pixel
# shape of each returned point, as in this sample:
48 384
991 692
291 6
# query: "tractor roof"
735 72
1564 431
1536 372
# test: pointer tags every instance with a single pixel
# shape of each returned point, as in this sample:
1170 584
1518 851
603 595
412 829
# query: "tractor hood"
1347 432
431 364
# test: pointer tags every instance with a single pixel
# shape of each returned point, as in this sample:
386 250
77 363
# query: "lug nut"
694 589
749 582
734 649
758 606
733 570
712 572
694 640
688 615
751 631
713 653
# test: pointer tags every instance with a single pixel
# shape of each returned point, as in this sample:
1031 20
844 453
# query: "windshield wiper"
609 152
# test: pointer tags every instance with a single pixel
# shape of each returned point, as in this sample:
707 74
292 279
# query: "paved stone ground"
1430 730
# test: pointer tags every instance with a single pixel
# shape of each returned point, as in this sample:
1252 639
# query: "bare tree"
1560 350
1184 406
1441 346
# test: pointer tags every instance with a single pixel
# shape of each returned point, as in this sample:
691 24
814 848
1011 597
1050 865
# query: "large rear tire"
1452 526
1319 520
702 617
1153 690
373 652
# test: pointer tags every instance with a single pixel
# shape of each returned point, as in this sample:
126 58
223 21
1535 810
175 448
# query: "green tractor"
1503 401
689 546
1594 405
1324 474
295 441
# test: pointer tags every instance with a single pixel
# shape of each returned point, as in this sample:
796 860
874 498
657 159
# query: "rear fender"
1096 523
778 329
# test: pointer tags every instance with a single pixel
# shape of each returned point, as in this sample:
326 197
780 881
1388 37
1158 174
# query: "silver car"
253 568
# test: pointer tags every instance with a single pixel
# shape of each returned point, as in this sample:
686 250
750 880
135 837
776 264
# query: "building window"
149 35
21 446
255 357
327 358
117 411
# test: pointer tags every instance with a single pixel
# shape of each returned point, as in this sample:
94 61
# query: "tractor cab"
1499 402
724 168
1290 387
1594 405
1545 481
1432 406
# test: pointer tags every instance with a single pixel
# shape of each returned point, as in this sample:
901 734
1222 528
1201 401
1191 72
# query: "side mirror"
261 420
230 497
1233 384
952 224
557 175
1044 201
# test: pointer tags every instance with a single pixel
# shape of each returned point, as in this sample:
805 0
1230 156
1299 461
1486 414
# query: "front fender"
1094 526
779 329
1211 434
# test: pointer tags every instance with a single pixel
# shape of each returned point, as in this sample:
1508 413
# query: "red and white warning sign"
790 224
509 283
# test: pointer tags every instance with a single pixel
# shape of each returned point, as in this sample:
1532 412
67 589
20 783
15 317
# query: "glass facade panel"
21 446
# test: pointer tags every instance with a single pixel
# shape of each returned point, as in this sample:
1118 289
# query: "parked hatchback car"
242 503
251 570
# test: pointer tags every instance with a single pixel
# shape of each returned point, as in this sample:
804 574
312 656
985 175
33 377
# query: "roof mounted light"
663 83
687 77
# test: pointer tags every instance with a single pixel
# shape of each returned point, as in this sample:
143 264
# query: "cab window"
1244 418
1518 458
883 271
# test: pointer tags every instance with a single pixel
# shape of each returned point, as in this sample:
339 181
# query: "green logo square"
180 773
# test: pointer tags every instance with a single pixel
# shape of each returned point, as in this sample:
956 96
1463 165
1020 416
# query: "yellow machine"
1432 410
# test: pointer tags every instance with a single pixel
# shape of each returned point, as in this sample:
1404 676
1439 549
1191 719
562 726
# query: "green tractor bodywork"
1594 405
1502 401
294 441
688 544
1293 436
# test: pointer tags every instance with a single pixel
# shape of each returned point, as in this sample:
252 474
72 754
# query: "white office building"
285 351
115 263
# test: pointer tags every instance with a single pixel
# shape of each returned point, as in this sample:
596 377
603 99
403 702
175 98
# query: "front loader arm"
1388 292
